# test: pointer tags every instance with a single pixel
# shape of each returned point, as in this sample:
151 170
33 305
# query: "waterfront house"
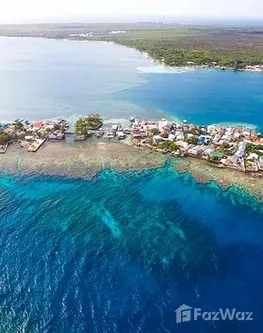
120 135
36 125
80 137
162 123
183 145
56 136
157 139
114 128
208 151
211 128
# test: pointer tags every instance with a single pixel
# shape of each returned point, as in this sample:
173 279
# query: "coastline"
79 159
252 69
205 172
86 159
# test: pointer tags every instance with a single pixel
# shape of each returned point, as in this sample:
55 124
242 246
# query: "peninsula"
237 47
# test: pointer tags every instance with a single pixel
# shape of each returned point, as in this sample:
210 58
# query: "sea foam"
159 69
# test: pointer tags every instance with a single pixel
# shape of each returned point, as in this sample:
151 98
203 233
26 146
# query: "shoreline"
145 53
85 160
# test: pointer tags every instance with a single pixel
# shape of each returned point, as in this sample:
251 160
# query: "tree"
154 131
168 145
192 139
4 138
18 125
226 145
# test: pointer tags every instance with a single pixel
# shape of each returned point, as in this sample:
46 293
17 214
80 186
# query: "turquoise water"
202 96
42 79
120 252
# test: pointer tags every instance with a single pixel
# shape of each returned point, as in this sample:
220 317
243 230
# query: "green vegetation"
192 139
215 156
226 145
81 127
4 138
154 131
180 46
168 145
18 125
91 122
171 44
257 149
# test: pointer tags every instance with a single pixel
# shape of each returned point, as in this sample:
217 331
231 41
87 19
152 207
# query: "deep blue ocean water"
120 252
202 96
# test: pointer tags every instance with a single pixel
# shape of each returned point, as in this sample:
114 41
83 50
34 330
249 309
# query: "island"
239 148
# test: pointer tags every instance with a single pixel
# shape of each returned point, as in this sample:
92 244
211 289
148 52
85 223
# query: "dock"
35 145
3 148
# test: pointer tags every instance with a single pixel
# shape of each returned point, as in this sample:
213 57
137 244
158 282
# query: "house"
217 138
206 139
157 139
120 135
260 163
182 144
138 136
114 128
79 137
253 157
56 136
36 125
162 123
208 151
171 137
240 153
29 138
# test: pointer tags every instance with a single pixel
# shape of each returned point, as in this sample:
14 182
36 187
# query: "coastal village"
239 148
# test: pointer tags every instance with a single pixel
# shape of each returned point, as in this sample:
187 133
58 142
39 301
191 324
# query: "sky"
27 11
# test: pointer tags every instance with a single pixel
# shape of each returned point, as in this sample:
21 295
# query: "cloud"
34 10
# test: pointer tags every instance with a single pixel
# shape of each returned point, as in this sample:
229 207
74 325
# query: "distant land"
172 44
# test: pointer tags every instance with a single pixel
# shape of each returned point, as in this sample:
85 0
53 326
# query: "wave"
240 124
159 69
